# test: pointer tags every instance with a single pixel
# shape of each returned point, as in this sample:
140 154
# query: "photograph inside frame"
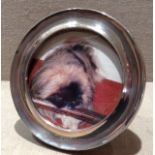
75 80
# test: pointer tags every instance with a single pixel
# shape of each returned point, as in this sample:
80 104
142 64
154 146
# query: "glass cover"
75 80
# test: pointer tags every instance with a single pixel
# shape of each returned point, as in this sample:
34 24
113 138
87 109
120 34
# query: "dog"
66 80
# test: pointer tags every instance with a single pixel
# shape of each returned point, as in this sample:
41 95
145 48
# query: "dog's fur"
71 66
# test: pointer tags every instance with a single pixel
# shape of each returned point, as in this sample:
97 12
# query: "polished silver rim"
133 77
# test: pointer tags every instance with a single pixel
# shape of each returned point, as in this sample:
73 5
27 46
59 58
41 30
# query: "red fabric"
106 96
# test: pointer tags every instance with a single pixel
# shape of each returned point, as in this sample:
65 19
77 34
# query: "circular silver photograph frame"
133 78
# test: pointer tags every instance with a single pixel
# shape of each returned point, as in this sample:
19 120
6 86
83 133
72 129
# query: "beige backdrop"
18 16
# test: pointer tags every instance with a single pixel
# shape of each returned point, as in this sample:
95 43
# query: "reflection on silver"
132 69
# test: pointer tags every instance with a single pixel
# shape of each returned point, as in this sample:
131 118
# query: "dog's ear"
87 51
92 61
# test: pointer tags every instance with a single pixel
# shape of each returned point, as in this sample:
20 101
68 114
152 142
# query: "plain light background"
18 16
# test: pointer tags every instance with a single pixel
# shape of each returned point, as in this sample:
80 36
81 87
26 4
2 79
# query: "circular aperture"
75 80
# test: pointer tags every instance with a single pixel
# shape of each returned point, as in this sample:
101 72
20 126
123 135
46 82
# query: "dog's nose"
69 96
